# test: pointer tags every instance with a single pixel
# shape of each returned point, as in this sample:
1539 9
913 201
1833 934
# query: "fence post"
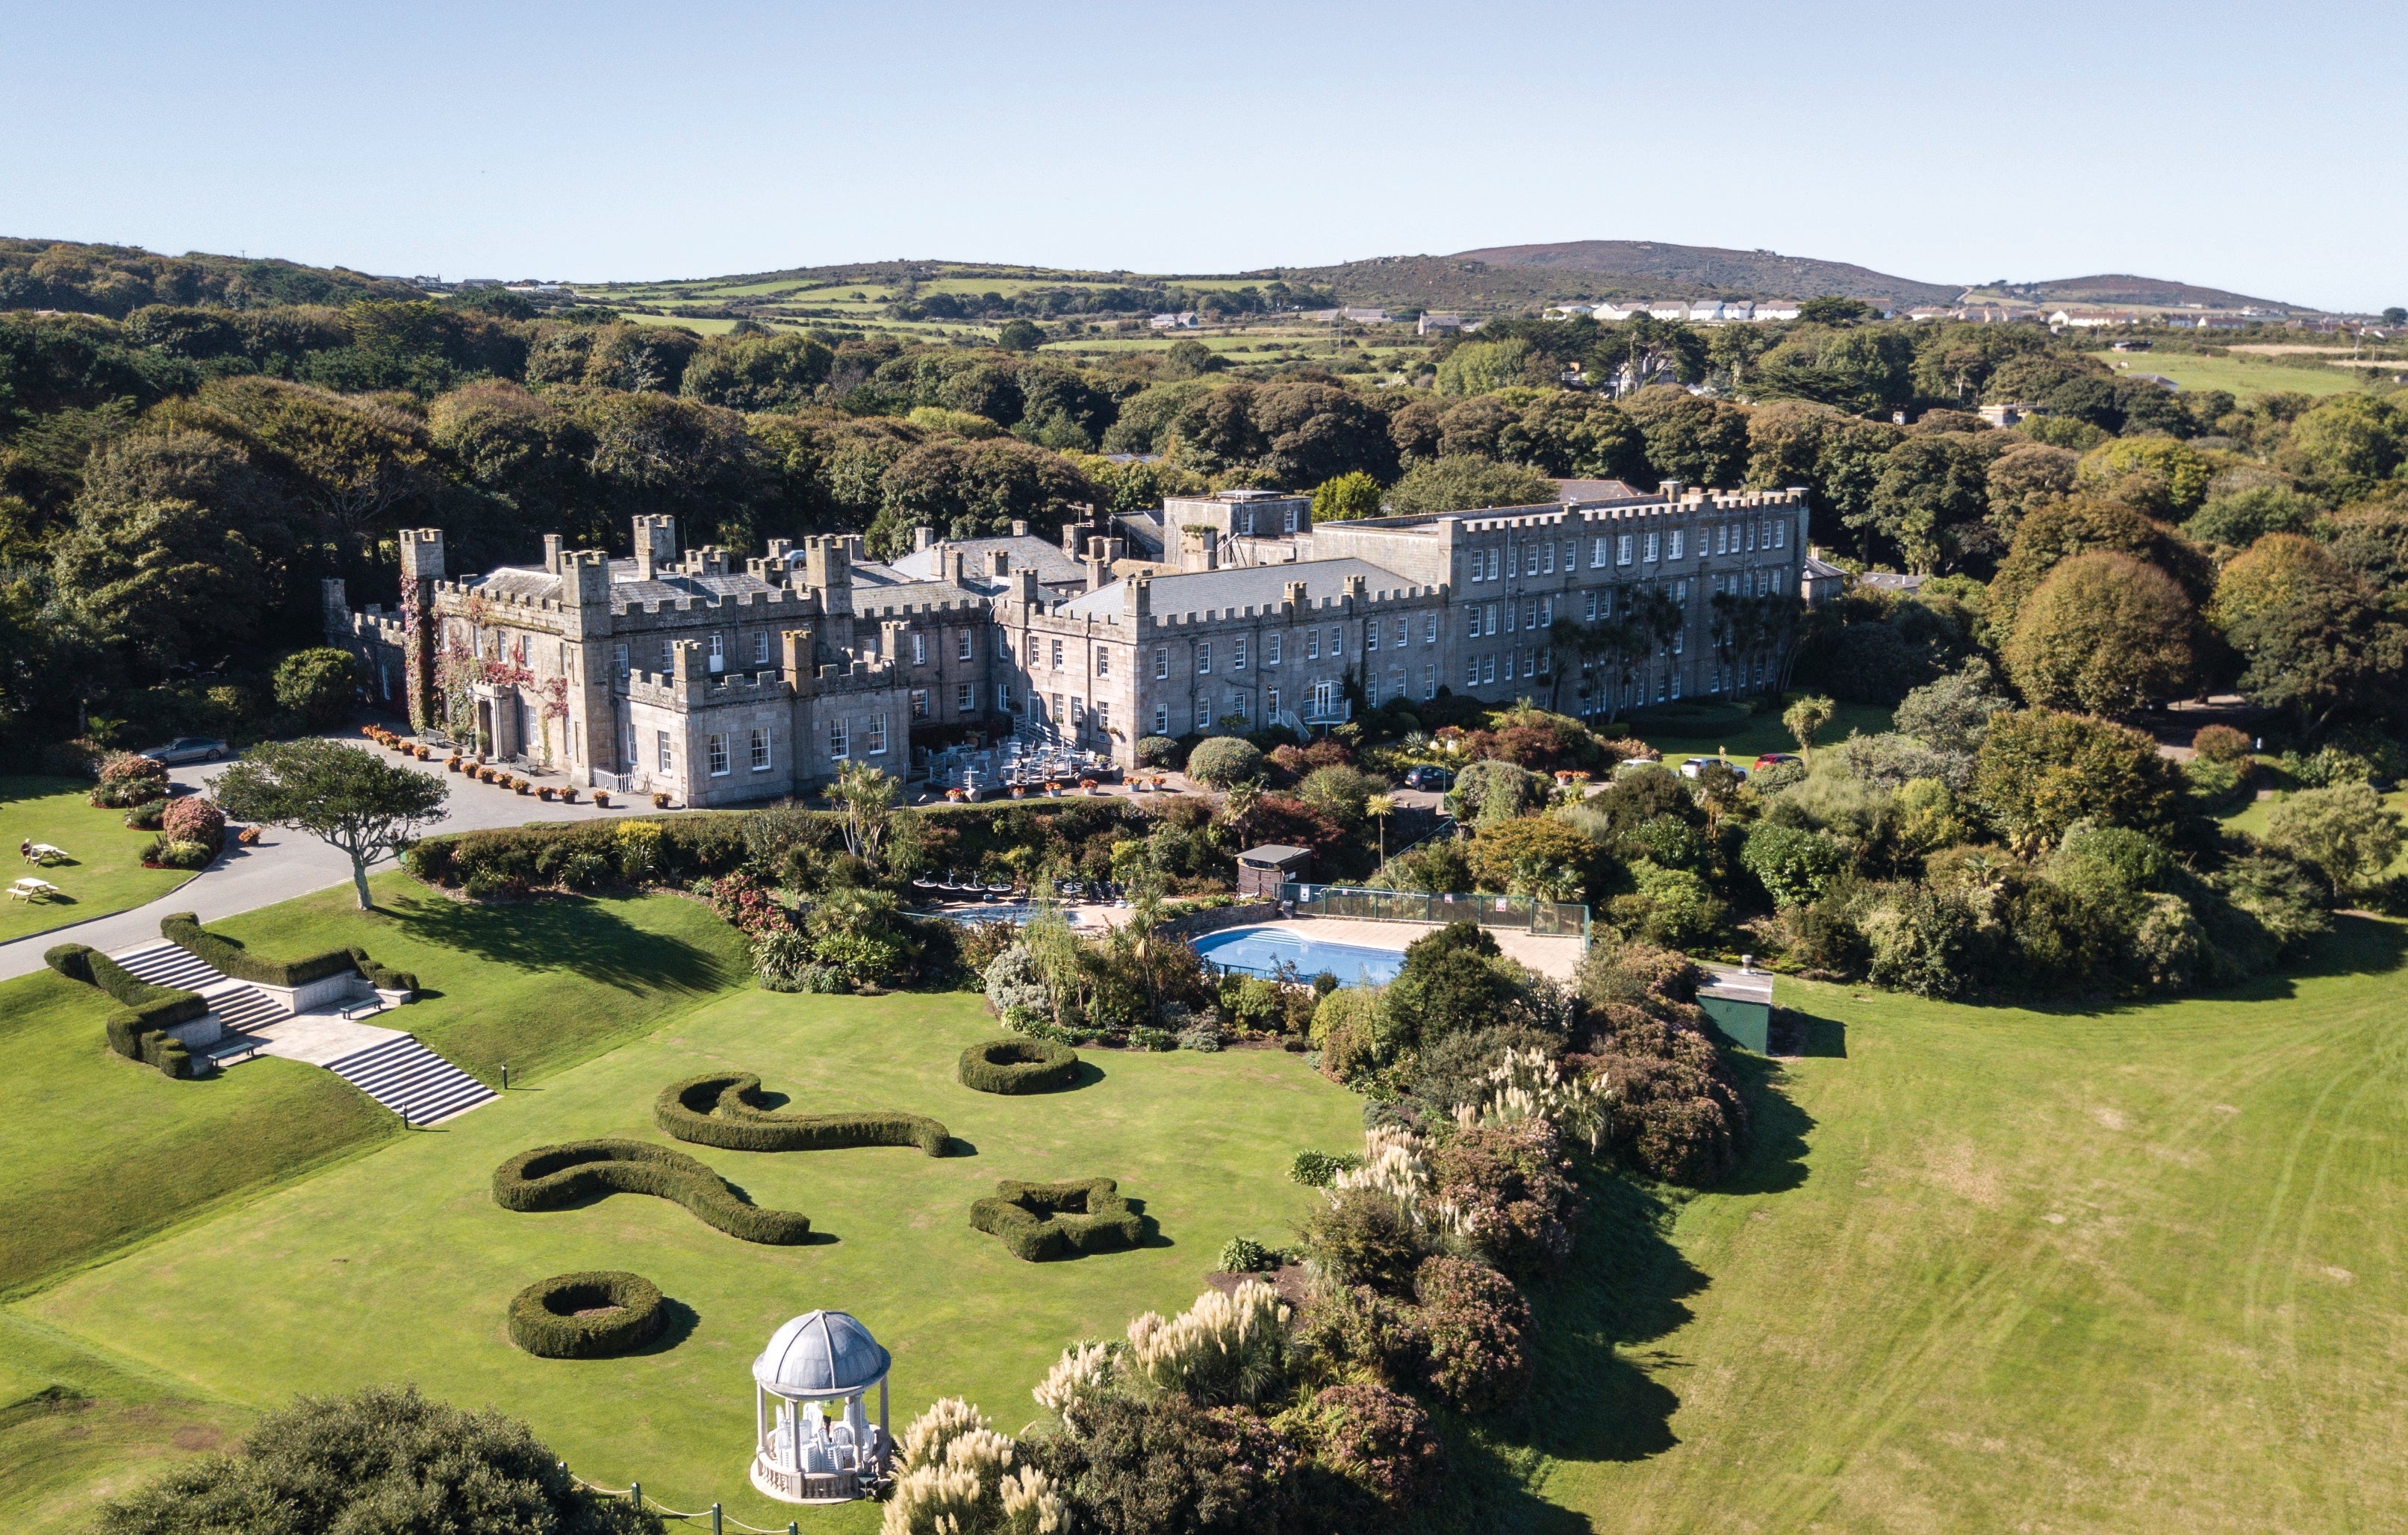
505 1076
714 1520
636 1494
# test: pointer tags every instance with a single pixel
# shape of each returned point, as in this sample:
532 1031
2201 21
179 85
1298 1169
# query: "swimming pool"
1262 951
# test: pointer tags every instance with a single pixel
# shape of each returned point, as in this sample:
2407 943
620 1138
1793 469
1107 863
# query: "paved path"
281 863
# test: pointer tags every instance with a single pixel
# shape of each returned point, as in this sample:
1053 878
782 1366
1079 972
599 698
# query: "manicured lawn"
399 1266
2253 814
1700 728
537 986
107 874
1994 1270
101 1151
2243 379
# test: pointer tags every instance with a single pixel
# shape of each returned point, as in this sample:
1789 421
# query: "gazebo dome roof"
822 1354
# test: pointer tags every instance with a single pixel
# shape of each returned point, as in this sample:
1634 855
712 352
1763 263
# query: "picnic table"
42 852
32 889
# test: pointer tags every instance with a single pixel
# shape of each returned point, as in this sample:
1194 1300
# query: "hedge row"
544 1320
1040 1221
137 1023
383 977
228 957
584 854
724 1110
1015 1064
549 1177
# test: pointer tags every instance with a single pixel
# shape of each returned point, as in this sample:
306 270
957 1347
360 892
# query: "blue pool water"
1261 950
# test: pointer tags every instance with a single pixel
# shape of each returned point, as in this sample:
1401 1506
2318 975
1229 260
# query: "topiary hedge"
724 1110
228 957
549 1177
143 1013
383 977
1040 1221
1017 1064
544 1319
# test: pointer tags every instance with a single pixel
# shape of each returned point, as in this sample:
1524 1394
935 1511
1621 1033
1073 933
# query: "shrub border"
1107 1225
723 1110
140 1013
549 1177
1042 1067
229 958
548 1334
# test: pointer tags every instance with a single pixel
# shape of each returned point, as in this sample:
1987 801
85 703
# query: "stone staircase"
413 1080
391 1067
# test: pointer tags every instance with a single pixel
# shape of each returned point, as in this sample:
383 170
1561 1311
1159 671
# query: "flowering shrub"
1474 1323
1376 1438
192 821
1356 1324
960 1477
127 781
1507 1190
744 903
1017 989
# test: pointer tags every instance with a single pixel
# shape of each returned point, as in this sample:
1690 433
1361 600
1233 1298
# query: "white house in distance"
1184 319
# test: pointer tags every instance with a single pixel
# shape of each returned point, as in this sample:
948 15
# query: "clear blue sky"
2253 148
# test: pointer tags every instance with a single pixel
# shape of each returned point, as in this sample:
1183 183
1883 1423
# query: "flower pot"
544 795
522 786
569 794
602 799
660 801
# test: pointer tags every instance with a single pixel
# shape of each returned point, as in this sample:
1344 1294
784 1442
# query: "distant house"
2209 321
1669 310
1778 308
1429 323
1890 580
2010 415
1929 311
1822 582
1363 317
1184 319
1612 310
2092 319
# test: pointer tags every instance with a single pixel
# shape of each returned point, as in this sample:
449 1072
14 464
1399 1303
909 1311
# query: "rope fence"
720 1519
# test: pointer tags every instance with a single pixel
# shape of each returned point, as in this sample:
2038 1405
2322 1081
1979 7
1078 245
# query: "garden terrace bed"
229 957
589 1315
724 1110
1040 1220
1015 1064
137 1024
553 1177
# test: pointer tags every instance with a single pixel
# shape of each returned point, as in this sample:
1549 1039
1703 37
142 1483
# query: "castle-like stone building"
675 671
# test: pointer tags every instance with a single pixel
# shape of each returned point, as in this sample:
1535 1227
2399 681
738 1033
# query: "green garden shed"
1740 1002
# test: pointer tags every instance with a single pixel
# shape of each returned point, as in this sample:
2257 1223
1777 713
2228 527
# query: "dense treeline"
185 453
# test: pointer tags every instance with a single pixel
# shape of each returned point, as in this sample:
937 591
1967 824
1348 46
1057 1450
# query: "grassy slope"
2243 378
107 873
539 986
1748 734
399 1266
1997 1269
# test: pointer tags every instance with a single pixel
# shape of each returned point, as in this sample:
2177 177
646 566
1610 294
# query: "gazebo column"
760 1422
882 1443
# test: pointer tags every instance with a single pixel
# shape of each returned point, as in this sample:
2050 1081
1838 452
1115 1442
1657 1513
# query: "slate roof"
1051 564
1255 586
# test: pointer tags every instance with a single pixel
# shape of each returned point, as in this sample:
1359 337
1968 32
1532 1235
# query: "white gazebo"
816 1444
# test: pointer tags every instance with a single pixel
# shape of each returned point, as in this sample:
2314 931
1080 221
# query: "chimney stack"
922 537
552 553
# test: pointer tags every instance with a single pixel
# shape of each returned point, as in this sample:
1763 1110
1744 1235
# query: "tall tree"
2105 634
369 809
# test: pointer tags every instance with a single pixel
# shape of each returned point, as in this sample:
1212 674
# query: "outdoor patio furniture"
42 852
32 889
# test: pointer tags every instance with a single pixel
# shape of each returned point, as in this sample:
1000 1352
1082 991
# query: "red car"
1774 759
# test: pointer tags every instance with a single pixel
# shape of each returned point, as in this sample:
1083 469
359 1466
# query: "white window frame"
760 751
1162 719
919 650
668 760
1371 635
840 740
919 703
1336 641
966 696
1161 662
1313 644
968 649
1058 656
1597 554
877 733
1622 549
1654 545
1271 650
1680 541
1203 658
1271 703
1238 653
1103 661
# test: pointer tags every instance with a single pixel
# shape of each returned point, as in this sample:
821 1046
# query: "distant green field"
2243 378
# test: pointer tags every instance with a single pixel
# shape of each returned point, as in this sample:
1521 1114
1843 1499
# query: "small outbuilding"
813 1441
1740 1002
1262 871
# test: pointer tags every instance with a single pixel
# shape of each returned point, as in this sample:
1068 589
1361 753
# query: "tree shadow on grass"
565 932
2357 945
1776 1159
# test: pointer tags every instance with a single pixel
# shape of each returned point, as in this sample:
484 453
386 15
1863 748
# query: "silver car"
190 749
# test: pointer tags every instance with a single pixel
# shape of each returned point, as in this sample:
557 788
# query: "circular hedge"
1223 760
624 1313
1016 1063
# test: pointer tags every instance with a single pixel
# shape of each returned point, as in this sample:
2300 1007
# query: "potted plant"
956 795
1089 785
545 794
660 799
522 786
247 836
568 794
602 799
1018 790
451 763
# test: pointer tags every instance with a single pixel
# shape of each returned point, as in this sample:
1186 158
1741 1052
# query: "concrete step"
163 964
411 1080
240 1008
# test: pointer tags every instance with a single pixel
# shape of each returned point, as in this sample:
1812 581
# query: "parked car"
1427 777
190 749
1774 759
1695 765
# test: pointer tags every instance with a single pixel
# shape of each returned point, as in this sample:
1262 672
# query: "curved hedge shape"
229 958
143 1013
549 1177
1017 1064
1040 1221
544 1320
723 1110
